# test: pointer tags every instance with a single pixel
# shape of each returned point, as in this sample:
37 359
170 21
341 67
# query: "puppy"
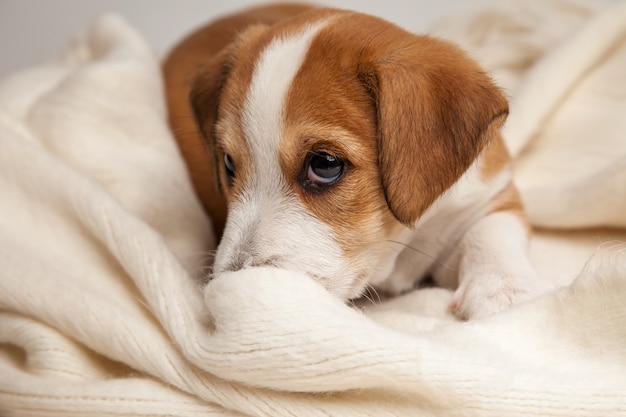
339 145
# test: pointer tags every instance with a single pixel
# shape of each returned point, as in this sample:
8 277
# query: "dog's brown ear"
207 84
180 67
437 109
204 94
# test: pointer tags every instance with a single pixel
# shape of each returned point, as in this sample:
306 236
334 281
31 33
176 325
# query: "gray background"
32 31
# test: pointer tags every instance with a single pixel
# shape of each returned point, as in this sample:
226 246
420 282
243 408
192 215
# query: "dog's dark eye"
324 169
230 167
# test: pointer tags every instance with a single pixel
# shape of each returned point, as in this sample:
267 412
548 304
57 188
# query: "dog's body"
348 149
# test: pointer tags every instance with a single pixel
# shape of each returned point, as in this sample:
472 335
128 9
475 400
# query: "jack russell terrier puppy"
339 145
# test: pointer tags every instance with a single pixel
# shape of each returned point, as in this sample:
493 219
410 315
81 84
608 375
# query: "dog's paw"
487 293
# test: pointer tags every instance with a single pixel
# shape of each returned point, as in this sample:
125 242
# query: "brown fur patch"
495 158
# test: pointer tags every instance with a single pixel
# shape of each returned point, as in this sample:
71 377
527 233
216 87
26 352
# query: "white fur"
494 269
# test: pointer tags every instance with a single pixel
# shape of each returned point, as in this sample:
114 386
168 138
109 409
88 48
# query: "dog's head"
331 132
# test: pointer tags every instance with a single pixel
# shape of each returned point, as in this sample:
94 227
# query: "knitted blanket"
103 245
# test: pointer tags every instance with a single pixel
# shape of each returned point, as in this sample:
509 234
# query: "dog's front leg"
494 269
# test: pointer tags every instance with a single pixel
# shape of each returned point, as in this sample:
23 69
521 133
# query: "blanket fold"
103 245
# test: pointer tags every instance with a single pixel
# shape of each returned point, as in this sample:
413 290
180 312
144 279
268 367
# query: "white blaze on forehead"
263 110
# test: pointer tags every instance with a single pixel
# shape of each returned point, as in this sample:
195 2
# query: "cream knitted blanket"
102 247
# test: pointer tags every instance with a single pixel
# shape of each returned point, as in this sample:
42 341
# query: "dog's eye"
230 167
324 169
